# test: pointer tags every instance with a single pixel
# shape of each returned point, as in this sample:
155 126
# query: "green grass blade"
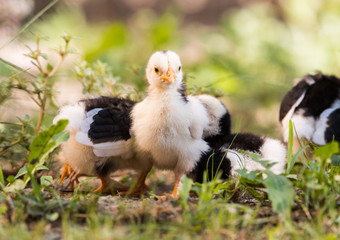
2 179
29 23
15 67
294 158
290 148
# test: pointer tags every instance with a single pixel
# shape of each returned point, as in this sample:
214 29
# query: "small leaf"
334 171
255 194
10 179
325 152
16 186
49 68
186 187
52 216
281 193
335 160
42 144
46 180
294 158
292 176
22 171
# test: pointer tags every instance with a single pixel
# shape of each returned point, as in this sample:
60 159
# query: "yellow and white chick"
168 124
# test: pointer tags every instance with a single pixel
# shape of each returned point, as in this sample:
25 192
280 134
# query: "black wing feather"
113 123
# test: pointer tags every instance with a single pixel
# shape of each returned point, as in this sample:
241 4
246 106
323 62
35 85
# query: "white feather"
114 149
75 114
289 115
93 112
304 127
321 125
83 138
215 110
272 150
85 125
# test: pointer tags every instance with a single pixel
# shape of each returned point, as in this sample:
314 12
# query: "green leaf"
251 177
23 170
335 160
325 152
280 192
222 186
255 194
293 159
15 67
186 187
52 216
46 180
10 179
292 176
16 186
49 68
334 171
42 144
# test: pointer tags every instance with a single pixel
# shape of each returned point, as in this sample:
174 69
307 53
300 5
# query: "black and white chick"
84 159
233 154
313 106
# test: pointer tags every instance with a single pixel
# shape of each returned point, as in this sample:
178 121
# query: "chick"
83 159
168 125
313 106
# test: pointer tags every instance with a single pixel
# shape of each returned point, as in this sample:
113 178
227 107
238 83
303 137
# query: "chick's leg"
66 170
140 186
73 176
174 192
104 186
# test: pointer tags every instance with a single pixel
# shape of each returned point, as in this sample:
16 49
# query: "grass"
212 210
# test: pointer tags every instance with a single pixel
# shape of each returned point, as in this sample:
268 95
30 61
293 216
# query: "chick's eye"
179 68
156 70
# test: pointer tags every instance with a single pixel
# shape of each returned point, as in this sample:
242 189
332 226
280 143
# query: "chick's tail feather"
213 163
75 114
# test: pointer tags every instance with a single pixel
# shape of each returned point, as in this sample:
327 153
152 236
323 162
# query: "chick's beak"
169 76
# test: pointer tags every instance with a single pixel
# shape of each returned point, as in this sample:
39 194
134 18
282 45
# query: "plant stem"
41 116
43 99
3 150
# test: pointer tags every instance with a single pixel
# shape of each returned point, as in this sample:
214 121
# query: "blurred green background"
252 50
